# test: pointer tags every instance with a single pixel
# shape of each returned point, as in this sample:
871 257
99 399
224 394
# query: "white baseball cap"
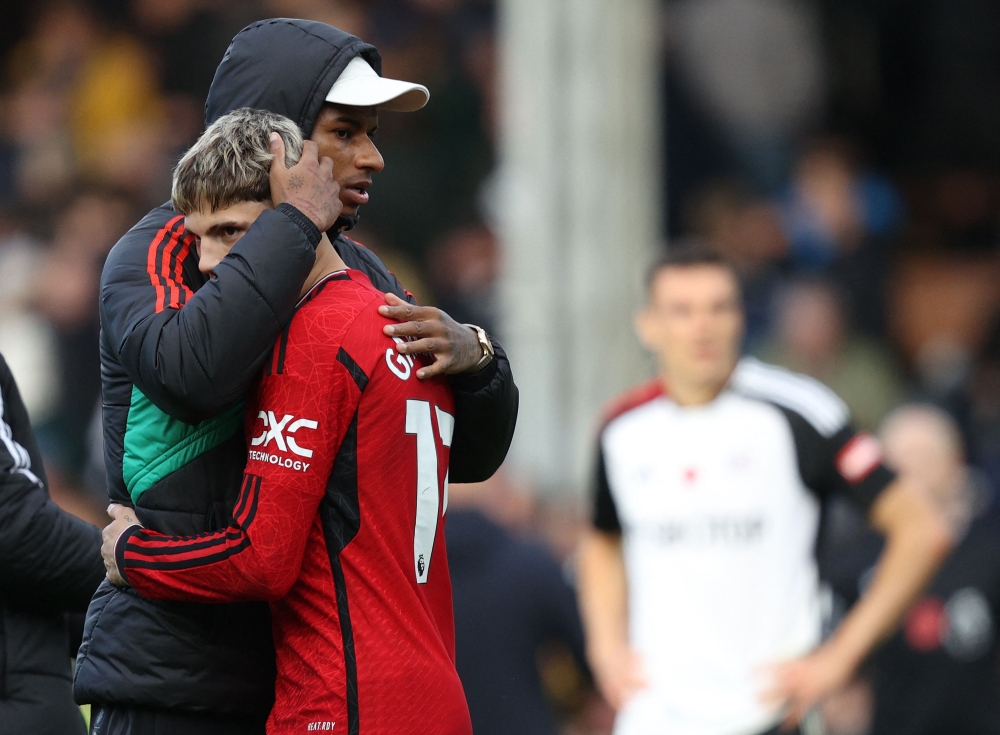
359 86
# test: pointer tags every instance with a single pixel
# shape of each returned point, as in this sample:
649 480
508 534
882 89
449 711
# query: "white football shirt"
719 508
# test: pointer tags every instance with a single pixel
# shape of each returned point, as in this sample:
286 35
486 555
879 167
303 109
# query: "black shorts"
138 721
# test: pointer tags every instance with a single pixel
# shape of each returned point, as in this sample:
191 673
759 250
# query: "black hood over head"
286 66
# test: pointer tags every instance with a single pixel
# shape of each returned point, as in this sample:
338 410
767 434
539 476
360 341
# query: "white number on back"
418 422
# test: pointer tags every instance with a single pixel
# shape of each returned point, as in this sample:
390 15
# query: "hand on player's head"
309 185
243 157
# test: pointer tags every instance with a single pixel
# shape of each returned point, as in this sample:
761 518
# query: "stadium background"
843 153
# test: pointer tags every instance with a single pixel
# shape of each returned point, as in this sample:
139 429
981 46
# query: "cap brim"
389 94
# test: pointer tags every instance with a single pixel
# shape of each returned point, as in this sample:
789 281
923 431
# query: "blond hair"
231 161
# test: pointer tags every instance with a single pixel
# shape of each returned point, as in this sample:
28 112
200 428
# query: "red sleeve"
298 422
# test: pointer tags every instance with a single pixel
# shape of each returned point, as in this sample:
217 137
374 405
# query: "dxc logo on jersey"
274 430
401 365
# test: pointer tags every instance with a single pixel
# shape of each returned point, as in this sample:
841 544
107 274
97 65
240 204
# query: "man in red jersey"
340 521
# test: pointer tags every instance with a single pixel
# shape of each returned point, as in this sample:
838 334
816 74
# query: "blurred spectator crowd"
845 154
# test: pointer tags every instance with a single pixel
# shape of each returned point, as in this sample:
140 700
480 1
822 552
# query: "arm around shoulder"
193 351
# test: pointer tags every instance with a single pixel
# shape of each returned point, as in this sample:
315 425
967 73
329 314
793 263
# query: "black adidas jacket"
50 564
178 351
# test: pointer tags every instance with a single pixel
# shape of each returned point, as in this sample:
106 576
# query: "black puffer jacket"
50 564
178 351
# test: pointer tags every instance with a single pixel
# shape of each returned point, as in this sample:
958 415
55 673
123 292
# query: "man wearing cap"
180 349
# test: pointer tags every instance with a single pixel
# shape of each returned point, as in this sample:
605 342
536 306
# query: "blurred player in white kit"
698 582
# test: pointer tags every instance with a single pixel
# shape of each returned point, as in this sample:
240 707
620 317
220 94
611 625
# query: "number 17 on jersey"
429 504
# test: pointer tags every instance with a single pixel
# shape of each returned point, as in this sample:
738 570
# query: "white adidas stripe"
22 460
809 398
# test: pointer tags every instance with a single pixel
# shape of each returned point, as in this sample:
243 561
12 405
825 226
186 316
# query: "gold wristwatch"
484 342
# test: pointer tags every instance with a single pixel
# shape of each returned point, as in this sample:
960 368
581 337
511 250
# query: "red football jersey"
340 525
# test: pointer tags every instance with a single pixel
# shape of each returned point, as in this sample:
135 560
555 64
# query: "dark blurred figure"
984 421
66 296
940 674
463 267
189 38
941 306
940 69
840 221
50 565
512 602
440 158
812 336
40 77
25 339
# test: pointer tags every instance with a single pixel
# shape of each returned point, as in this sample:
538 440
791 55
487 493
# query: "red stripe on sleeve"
166 268
154 276
152 550
185 292
205 556
152 543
